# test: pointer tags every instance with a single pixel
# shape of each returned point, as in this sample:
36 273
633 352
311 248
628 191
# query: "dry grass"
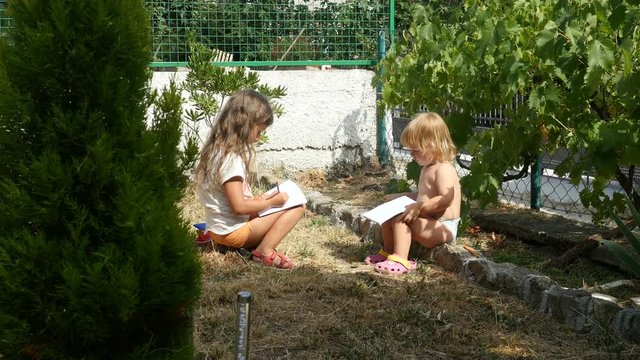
332 306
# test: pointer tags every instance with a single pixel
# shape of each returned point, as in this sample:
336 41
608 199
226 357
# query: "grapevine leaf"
413 171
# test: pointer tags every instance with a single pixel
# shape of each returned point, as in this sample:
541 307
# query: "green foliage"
95 259
398 186
404 11
574 63
630 260
413 172
412 177
208 85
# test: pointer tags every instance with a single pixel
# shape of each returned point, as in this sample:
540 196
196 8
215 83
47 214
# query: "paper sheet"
386 211
296 197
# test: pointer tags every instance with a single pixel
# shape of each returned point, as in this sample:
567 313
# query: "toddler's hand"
411 213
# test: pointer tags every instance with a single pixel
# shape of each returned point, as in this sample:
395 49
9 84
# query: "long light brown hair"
231 134
429 133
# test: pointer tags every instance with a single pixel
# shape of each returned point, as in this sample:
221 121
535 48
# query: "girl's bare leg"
267 232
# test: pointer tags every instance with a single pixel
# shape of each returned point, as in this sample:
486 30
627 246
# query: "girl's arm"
241 206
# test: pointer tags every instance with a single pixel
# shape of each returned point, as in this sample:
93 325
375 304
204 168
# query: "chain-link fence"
555 193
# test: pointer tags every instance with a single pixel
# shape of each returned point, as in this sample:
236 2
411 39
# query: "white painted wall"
330 118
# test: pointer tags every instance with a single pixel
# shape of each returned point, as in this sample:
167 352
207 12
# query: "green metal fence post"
392 22
536 177
383 152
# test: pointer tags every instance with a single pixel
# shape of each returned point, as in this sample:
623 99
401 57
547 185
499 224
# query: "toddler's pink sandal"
395 265
376 258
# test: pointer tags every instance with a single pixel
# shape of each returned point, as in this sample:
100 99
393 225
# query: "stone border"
582 311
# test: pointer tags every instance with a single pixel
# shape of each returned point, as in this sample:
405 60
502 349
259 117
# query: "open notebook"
296 197
386 211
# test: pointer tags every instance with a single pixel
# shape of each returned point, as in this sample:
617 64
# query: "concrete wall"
330 118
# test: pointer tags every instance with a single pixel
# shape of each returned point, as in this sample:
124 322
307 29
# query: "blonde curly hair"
428 133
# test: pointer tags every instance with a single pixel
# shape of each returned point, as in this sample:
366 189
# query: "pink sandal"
395 265
376 258
284 263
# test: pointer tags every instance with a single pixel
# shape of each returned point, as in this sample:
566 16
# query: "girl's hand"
411 213
278 199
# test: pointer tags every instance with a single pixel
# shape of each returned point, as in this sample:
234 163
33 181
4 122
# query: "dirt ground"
522 237
332 306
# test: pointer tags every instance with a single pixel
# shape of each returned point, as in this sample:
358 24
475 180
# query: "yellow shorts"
236 239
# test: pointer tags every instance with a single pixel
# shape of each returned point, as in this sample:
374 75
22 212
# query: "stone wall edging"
580 310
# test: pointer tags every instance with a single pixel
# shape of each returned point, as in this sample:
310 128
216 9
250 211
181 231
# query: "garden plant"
573 64
631 259
208 86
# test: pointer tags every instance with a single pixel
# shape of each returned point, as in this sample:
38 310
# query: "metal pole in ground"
243 320
536 183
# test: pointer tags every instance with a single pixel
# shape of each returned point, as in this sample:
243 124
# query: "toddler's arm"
445 183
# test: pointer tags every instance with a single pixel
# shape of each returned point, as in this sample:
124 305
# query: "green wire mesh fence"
267 32
5 22
272 32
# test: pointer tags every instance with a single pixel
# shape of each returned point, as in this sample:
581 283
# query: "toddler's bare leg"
430 232
401 237
387 237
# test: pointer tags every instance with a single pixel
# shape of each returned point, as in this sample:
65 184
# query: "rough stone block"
509 277
478 270
532 290
627 323
604 310
571 306
450 257
317 200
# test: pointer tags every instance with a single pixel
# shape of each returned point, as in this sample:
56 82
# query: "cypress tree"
95 260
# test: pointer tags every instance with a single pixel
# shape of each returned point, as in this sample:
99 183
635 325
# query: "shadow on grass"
317 312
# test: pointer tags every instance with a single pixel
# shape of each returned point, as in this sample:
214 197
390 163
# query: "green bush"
208 85
95 259
540 63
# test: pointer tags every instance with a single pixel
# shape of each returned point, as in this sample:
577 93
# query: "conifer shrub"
95 259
